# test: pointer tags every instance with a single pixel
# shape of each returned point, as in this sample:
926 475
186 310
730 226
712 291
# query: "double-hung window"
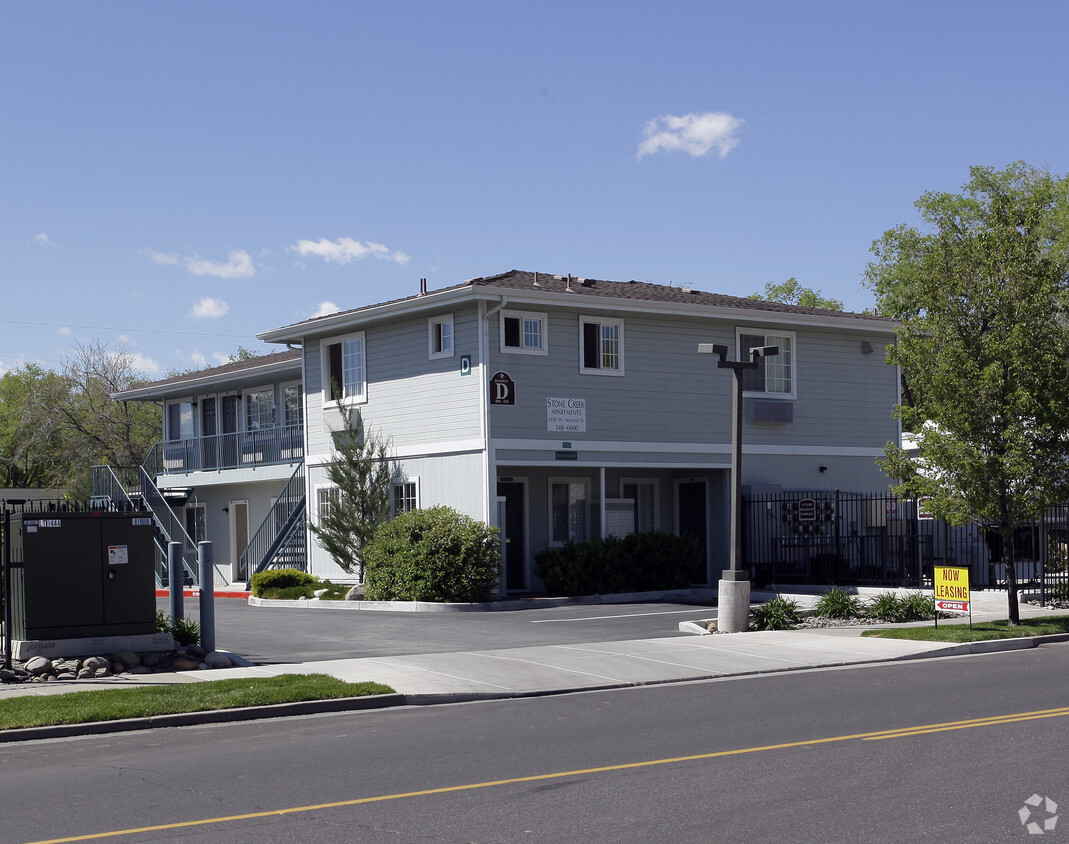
345 369
601 346
441 336
405 496
293 404
523 333
259 409
180 420
774 376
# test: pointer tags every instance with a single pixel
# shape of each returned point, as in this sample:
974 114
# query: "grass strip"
982 631
171 698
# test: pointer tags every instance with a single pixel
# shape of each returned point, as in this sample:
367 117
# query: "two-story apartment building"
229 466
563 408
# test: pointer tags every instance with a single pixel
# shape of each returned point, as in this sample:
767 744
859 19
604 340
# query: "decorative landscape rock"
40 669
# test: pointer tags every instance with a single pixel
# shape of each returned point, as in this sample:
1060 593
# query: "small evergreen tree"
362 474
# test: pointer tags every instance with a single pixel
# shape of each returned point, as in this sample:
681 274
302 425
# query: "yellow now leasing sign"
951 588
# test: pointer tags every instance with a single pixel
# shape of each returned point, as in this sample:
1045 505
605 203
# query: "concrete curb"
216 716
681 595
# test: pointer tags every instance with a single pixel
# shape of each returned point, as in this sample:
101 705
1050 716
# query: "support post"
174 578
207 596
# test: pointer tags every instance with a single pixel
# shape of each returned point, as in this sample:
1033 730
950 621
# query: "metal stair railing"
120 485
270 537
289 548
171 527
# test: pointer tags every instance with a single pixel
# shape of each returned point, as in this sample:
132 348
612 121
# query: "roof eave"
197 381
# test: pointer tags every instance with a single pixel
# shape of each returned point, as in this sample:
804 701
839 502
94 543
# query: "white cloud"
695 134
238 264
198 360
324 309
209 308
65 331
220 358
42 239
161 258
144 363
345 249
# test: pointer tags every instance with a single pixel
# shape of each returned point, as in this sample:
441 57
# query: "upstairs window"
293 401
259 409
344 369
601 346
441 336
179 421
774 376
523 333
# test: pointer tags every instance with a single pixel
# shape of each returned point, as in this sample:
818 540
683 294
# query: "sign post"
951 589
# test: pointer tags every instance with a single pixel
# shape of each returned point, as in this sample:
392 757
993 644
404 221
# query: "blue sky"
175 177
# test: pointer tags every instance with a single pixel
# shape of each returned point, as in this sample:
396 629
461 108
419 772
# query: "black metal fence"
876 539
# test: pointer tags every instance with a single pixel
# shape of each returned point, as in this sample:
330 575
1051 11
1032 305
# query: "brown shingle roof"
234 368
531 282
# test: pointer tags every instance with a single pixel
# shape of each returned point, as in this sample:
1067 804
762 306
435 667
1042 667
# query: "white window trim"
245 394
521 350
324 363
793 394
432 322
401 482
656 498
318 490
193 416
282 401
598 370
549 498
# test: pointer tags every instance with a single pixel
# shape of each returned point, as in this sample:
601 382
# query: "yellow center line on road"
901 732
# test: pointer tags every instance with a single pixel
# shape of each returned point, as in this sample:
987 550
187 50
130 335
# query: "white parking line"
629 615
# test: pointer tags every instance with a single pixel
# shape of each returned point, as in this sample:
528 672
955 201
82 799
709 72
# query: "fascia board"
195 383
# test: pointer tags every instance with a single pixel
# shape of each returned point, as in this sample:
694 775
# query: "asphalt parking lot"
272 635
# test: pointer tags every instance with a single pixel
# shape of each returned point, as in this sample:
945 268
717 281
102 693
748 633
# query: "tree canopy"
792 292
984 346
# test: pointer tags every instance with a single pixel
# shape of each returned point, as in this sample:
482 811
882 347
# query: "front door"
515 539
693 521
229 440
239 539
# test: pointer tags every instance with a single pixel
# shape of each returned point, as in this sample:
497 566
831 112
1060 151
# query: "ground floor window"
195 524
569 510
405 497
644 494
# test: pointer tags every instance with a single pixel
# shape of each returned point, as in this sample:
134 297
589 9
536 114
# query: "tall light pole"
733 590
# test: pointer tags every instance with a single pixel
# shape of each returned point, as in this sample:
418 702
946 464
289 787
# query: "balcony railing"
265 447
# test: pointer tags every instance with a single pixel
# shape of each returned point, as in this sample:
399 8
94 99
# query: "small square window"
441 336
405 497
523 333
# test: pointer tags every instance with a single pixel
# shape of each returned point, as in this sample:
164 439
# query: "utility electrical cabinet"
77 575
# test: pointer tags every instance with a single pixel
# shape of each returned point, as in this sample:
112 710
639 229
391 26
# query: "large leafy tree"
981 292
361 475
33 449
793 292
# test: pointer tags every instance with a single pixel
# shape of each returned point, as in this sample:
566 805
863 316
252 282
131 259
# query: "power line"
124 330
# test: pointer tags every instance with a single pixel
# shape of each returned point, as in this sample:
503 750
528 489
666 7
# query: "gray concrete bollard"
207 596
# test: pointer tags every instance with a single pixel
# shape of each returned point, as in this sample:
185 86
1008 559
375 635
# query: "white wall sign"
566 415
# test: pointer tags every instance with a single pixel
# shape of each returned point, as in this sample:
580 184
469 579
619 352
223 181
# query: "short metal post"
207 596
7 589
174 576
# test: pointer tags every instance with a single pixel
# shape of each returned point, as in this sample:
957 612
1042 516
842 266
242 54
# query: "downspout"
489 466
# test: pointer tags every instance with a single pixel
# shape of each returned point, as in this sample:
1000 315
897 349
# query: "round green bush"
279 579
432 555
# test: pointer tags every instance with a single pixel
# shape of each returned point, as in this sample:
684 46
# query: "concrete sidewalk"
550 669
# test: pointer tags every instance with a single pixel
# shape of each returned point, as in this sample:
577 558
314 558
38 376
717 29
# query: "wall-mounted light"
866 347
823 469
226 509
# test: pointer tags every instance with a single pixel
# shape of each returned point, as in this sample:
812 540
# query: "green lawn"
979 632
171 698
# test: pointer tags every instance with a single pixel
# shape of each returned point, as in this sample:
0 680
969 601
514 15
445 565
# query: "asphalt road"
787 757
277 635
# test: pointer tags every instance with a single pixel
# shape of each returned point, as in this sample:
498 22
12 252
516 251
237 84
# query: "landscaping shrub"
185 631
838 603
432 555
894 609
639 562
279 579
777 614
